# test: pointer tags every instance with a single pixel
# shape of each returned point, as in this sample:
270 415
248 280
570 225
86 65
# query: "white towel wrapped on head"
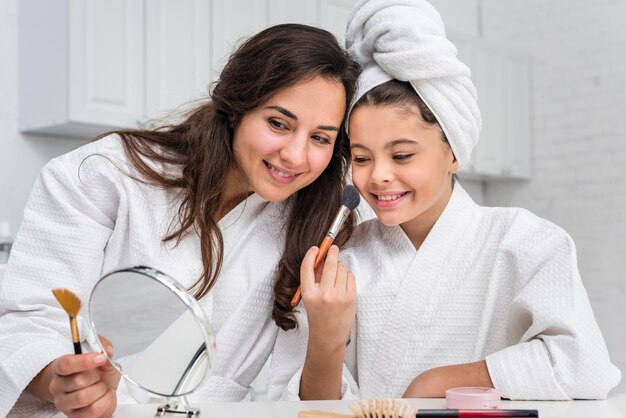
406 40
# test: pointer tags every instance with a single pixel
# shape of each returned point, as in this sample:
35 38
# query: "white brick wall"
579 138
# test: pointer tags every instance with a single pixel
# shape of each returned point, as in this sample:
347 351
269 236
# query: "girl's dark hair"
396 92
200 147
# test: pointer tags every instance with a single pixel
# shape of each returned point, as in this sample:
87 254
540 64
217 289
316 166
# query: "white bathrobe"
498 284
84 218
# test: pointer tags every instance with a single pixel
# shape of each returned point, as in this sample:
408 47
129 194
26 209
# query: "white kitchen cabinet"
87 66
81 65
334 17
178 53
233 21
502 79
90 66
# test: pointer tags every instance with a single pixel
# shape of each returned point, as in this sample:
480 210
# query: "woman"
211 197
450 294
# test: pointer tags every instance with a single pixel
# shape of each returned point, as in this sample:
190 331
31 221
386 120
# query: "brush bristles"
350 197
68 301
377 408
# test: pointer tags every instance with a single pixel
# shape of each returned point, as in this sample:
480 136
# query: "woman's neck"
235 191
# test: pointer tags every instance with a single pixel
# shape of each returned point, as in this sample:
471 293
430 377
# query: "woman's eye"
321 139
402 156
274 123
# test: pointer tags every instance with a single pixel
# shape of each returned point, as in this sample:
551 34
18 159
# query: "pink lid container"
472 398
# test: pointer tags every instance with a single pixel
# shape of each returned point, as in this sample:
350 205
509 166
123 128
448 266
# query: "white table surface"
614 407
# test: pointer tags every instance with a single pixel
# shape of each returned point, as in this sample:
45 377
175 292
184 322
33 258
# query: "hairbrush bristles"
377 408
68 301
350 197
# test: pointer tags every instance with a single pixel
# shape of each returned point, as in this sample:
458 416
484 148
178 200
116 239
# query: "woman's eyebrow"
294 117
283 111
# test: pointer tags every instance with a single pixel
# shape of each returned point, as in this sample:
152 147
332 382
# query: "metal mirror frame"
175 404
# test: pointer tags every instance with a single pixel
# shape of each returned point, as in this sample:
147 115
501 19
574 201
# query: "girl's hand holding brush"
330 306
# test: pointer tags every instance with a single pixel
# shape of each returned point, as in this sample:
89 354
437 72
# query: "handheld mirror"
162 341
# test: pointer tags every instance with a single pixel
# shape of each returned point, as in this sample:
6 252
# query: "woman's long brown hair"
200 147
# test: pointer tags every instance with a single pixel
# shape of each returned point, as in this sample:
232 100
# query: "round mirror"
162 341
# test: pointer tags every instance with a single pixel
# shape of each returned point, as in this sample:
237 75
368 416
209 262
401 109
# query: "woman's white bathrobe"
86 217
498 284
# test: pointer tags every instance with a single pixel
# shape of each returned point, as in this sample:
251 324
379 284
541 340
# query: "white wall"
21 156
579 131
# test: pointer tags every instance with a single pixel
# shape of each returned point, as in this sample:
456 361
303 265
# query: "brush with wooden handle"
71 304
349 201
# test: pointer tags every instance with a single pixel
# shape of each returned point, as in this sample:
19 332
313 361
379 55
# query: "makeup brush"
385 408
71 304
349 201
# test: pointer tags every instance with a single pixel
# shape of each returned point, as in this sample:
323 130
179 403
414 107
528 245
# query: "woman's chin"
273 195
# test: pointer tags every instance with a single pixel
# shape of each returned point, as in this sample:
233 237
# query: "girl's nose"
381 173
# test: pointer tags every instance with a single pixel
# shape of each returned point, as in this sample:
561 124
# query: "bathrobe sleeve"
288 360
60 243
558 351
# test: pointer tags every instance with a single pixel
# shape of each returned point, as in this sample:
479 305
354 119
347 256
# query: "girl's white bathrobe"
86 217
498 284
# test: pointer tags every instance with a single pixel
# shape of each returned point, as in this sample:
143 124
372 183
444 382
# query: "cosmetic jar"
472 398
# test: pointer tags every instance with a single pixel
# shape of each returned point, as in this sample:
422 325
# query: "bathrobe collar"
417 272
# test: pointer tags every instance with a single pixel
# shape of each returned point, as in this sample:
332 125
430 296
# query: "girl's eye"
321 139
275 123
402 156
360 160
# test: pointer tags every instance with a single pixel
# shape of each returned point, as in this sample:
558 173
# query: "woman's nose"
294 149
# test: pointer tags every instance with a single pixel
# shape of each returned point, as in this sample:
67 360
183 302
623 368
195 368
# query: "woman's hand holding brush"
330 306
80 385
84 385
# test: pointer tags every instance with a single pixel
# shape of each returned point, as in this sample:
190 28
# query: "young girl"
449 293
207 199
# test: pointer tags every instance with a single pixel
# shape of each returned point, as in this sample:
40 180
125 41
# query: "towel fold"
406 40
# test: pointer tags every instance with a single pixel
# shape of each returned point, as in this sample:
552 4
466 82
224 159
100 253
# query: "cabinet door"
518 136
289 11
489 78
178 53
334 17
106 62
503 83
233 21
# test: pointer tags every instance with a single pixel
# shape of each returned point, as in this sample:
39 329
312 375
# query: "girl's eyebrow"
400 141
389 144
359 146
